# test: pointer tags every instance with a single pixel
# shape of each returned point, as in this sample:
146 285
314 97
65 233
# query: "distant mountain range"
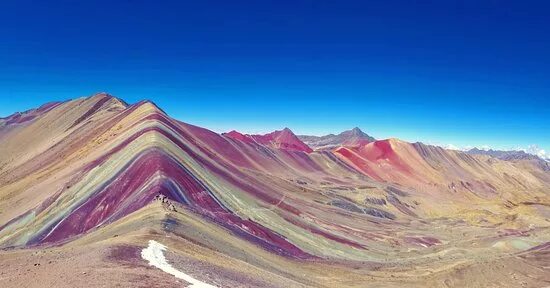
513 155
283 139
504 155
354 137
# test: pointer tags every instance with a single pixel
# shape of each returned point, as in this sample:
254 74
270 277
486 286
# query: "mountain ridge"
352 137
282 139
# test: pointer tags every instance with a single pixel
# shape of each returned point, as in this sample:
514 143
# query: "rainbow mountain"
87 183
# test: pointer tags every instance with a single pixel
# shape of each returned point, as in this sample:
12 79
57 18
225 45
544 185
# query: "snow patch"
154 253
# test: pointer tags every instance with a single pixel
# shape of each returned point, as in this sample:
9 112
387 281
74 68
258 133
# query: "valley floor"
112 257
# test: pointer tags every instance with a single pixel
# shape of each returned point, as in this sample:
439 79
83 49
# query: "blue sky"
467 73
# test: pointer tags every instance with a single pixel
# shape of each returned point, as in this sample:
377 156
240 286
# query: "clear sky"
467 73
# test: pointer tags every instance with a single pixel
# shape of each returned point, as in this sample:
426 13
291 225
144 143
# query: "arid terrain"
95 192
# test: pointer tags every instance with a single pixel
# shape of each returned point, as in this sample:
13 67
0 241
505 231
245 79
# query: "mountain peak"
150 107
355 132
287 130
281 139
105 96
102 94
234 134
351 138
